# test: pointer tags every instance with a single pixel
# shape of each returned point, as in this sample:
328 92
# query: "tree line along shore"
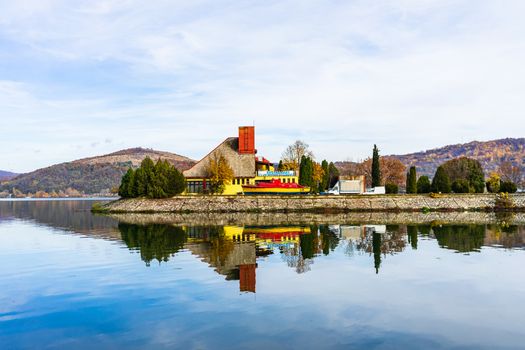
460 175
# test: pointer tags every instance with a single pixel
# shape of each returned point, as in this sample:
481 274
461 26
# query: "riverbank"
319 204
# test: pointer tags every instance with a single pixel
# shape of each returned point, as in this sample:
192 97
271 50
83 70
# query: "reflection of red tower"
247 277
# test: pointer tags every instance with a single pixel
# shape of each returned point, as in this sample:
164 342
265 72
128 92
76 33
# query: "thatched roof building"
243 164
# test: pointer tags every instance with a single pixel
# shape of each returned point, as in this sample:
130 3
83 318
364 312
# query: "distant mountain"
490 154
94 175
6 175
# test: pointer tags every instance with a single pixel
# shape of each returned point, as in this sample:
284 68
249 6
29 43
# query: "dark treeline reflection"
155 241
233 251
70 215
462 238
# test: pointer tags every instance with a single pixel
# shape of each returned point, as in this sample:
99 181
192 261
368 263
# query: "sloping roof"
243 165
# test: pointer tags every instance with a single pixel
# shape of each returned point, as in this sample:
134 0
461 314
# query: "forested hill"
6 175
95 175
490 154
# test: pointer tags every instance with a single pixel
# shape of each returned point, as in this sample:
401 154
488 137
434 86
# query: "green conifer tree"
124 187
376 171
148 169
139 183
423 184
441 181
176 182
411 184
326 176
333 175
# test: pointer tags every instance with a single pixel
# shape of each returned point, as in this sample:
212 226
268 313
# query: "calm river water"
72 280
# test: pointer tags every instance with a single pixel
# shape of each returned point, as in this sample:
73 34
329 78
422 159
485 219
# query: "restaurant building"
248 168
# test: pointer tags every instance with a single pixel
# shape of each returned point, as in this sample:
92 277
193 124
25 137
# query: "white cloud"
179 76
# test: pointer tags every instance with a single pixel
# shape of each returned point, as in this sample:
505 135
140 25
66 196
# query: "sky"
85 78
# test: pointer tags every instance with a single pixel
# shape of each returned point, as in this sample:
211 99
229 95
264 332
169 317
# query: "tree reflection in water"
461 238
154 241
233 250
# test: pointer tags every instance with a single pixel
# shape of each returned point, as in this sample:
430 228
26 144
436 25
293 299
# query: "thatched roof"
243 165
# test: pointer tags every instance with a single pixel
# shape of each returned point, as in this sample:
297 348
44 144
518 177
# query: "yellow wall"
236 186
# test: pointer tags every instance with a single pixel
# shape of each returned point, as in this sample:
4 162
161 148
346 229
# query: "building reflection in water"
233 251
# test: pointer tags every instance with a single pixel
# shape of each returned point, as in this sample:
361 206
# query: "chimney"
246 139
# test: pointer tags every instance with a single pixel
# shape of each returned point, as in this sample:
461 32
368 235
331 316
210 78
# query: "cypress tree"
303 171
325 183
441 181
333 175
423 184
411 180
376 171
306 172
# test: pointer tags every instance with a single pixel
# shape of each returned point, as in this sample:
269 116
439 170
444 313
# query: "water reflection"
344 281
233 251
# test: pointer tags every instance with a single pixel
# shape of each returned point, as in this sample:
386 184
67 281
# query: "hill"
6 175
94 175
490 154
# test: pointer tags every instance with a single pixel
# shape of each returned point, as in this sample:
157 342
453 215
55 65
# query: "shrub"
503 202
391 188
460 186
508 187
423 184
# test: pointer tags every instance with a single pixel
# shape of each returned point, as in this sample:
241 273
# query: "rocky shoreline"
320 204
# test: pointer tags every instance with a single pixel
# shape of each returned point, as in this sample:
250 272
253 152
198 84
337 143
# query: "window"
194 187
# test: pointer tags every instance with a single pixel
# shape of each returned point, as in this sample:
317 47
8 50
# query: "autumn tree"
293 154
318 177
375 169
493 183
509 172
392 171
219 172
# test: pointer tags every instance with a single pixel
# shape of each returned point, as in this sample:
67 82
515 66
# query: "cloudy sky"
83 78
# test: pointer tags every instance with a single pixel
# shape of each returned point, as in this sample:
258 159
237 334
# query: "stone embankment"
319 204
301 218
